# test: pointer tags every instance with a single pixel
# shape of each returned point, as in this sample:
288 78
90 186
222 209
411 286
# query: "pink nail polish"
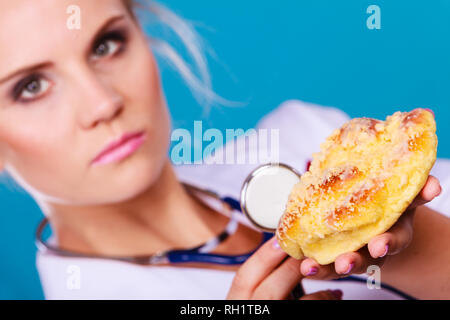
385 251
350 267
312 271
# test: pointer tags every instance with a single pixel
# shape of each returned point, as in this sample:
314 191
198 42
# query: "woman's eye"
105 48
110 44
31 88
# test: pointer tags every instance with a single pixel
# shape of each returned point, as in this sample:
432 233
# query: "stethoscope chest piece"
265 192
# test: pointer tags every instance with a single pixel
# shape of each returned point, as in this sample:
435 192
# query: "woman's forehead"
32 31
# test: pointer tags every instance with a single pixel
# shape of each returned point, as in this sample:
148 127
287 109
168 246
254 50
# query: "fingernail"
350 267
386 249
337 293
312 271
429 110
275 244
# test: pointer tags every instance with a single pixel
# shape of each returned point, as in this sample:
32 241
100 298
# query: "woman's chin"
128 182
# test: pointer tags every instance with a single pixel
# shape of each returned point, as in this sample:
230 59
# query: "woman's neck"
163 217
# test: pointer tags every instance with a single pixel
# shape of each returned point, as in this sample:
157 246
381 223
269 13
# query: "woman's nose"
100 102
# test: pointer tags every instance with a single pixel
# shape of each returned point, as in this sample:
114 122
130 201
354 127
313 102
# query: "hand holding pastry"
270 274
379 247
361 189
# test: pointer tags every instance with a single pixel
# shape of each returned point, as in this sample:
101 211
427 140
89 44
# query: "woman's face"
87 86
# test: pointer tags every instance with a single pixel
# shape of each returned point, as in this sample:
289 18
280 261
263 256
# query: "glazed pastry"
364 177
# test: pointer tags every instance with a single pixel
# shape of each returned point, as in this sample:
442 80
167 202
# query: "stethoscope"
263 198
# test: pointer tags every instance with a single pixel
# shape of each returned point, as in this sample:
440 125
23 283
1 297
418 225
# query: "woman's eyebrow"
43 65
27 69
104 27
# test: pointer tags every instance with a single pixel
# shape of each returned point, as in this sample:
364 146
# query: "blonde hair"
201 85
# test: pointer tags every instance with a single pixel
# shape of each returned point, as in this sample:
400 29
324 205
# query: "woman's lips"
120 149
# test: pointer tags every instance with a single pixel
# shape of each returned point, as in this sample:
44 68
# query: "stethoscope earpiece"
265 192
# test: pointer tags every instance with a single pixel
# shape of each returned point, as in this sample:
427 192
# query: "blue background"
317 51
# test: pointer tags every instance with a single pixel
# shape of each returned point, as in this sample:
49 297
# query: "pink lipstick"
120 148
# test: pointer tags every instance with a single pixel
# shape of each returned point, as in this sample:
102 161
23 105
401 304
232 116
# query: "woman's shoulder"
303 117
301 128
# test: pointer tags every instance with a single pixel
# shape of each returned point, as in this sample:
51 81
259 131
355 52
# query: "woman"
66 94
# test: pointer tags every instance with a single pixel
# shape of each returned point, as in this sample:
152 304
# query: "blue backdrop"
318 51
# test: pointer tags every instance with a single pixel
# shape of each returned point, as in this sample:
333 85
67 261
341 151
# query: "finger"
280 283
430 190
397 238
311 269
324 295
355 262
255 269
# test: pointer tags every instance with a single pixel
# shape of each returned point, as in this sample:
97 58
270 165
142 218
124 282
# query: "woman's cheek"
142 75
145 94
